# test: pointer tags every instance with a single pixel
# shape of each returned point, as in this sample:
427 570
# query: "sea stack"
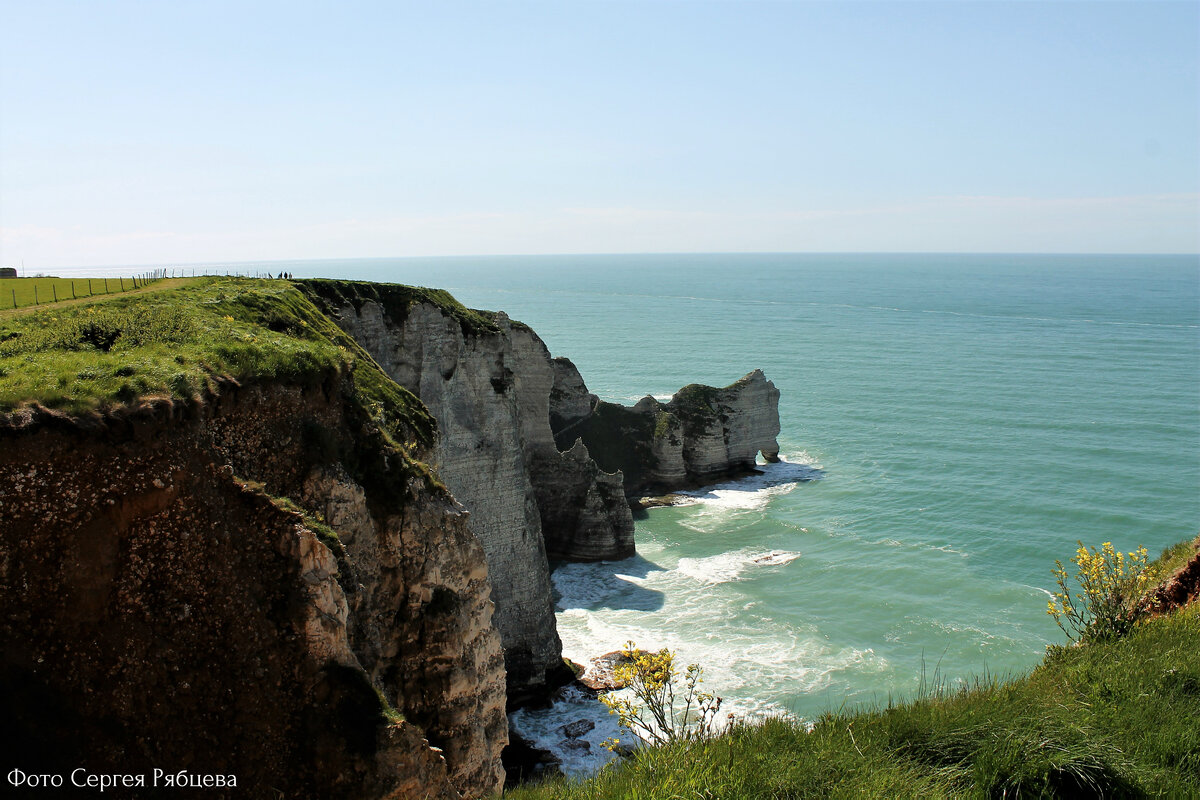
701 435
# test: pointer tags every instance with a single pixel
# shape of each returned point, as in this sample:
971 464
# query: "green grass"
178 342
186 340
1174 557
23 292
182 342
1118 719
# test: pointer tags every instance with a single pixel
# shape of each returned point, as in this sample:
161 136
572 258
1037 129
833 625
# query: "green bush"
656 715
1111 585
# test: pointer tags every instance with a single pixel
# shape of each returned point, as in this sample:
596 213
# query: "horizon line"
223 262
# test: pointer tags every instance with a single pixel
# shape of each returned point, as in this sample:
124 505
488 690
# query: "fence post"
106 285
54 289
35 297
14 291
89 287
73 295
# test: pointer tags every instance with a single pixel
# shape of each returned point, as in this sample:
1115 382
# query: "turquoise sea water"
967 419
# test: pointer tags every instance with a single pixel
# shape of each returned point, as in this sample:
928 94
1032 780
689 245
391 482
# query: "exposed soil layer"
163 608
1180 589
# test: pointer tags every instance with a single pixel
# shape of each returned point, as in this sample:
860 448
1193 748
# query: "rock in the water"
576 744
573 730
601 675
524 762
703 434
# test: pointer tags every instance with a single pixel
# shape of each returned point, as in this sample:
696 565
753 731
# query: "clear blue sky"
175 132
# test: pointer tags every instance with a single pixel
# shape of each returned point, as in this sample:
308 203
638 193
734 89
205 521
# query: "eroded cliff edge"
543 466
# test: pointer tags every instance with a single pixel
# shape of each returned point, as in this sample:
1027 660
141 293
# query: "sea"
951 425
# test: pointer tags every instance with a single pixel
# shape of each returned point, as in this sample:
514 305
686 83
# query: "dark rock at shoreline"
576 729
576 744
523 762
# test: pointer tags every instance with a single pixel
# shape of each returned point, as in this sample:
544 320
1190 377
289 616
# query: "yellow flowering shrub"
1111 585
655 713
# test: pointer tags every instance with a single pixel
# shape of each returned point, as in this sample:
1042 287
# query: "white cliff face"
326 612
570 400
584 514
751 419
469 386
421 619
724 430
701 435
540 464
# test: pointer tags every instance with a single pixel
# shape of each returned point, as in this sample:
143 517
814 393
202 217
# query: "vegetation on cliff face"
396 299
1112 718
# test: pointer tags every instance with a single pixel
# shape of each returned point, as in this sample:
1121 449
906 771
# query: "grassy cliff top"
181 341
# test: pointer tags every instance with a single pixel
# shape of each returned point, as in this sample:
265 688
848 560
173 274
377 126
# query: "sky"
185 132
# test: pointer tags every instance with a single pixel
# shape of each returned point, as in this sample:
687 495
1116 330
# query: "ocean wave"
619 584
1037 589
755 491
731 666
579 756
731 566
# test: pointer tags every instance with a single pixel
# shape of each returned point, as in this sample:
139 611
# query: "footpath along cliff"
301 534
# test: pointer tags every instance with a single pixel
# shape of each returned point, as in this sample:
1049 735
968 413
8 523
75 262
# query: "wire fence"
37 291
24 292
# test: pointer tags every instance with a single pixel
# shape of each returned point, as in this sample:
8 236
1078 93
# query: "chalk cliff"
487 382
702 434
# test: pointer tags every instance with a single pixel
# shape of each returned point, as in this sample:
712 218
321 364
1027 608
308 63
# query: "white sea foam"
1046 592
755 491
741 648
733 565
731 666
604 583
543 728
